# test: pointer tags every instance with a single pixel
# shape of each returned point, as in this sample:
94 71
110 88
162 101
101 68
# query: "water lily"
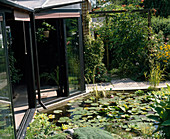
112 96
51 116
64 127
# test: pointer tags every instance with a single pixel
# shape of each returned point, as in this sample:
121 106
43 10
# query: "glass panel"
48 42
16 31
72 39
6 116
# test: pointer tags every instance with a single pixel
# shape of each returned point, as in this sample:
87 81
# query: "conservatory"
41 59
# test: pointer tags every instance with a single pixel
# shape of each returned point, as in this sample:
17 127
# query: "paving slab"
122 85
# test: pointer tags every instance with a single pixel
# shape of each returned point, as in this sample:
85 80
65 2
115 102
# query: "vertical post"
81 55
149 18
149 23
107 53
65 61
34 43
107 47
59 50
29 66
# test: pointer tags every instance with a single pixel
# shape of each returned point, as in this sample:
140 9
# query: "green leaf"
166 123
159 110
156 118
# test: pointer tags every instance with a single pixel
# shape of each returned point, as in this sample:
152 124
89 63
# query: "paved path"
122 84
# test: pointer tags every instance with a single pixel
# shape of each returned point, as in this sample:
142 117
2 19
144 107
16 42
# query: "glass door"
7 127
73 58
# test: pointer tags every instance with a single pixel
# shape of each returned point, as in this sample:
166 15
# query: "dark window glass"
6 115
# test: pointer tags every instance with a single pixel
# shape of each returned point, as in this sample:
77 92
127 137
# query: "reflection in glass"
6 118
72 39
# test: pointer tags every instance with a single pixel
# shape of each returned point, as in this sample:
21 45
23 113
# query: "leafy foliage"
41 128
93 57
53 76
159 53
161 24
131 52
7 133
162 108
162 5
127 37
14 72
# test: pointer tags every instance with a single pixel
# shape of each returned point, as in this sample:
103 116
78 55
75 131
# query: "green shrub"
7 133
162 109
127 38
93 57
159 53
161 24
91 133
41 128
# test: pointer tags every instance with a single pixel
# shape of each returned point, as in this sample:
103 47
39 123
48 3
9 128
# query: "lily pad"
128 129
71 110
89 117
69 104
76 117
143 108
92 108
64 119
88 101
143 113
94 104
57 111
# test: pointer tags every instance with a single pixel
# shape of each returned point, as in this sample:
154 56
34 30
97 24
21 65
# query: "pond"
123 113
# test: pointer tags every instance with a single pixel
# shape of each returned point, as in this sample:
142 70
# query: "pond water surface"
125 111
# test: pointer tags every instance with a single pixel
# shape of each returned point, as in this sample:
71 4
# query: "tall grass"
156 75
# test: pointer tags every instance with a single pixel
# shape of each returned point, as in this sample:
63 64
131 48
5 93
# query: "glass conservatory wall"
6 114
49 60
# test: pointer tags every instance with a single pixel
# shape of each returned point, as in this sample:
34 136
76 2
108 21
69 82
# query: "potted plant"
44 31
47 27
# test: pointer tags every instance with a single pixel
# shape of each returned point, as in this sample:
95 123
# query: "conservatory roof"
39 5
15 5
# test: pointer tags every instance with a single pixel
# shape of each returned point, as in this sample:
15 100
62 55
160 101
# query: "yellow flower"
51 116
165 61
64 127
86 108
161 48
166 53
28 128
